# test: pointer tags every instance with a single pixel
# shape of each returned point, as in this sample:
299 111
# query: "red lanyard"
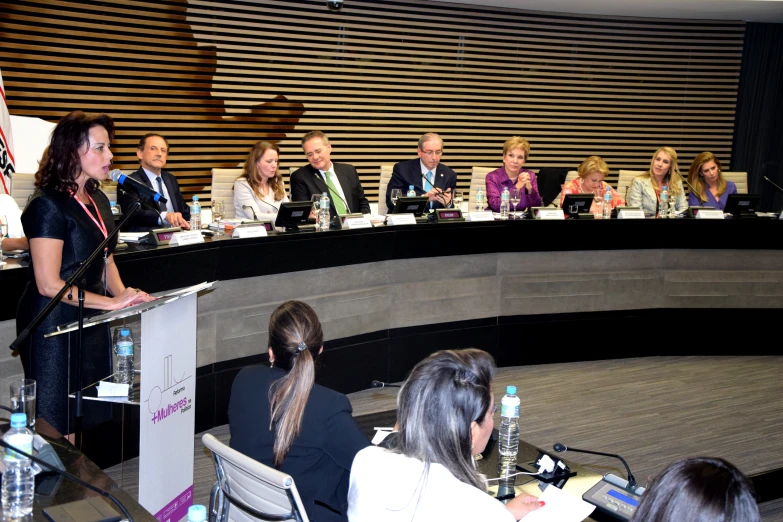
101 226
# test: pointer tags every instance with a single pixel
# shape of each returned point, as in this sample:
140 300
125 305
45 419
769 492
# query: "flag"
7 163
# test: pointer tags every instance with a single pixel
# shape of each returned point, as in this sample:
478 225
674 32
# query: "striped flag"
7 163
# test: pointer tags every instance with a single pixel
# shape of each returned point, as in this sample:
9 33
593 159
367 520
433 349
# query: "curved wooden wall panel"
214 77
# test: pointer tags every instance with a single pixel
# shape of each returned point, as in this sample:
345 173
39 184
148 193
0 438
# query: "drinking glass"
3 233
598 200
23 399
514 199
396 194
458 198
316 199
218 213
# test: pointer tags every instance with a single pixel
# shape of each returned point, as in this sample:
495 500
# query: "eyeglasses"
432 153
316 151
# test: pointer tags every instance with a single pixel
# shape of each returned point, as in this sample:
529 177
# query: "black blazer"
307 181
407 173
320 458
145 219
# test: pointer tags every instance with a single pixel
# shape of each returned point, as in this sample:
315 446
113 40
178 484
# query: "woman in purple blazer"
512 175
709 187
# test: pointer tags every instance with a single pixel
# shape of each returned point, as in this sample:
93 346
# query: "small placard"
190 237
400 219
357 222
245 232
548 213
112 389
481 216
709 214
443 215
630 213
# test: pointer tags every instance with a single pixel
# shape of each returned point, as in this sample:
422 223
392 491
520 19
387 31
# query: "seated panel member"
442 180
279 417
15 238
260 190
515 153
590 177
339 180
708 186
646 189
153 152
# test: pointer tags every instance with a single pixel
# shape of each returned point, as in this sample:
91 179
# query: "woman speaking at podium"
279 417
68 218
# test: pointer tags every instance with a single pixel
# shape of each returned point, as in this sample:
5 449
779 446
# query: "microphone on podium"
381 384
560 448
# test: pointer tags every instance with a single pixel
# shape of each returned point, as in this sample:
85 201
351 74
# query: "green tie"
339 206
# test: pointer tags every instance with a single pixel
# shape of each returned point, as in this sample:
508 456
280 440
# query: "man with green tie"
427 174
339 180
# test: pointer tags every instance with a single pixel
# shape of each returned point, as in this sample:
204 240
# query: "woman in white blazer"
646 189
260 190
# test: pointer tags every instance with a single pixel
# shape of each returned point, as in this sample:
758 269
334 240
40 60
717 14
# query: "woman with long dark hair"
444 419
281 418
66 219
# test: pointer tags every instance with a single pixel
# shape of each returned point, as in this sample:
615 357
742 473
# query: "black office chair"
550 181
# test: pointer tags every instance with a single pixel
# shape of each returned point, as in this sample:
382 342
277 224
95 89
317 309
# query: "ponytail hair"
296 338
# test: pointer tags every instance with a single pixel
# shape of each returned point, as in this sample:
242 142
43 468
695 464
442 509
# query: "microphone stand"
77 276
70 477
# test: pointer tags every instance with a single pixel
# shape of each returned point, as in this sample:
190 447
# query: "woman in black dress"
67 218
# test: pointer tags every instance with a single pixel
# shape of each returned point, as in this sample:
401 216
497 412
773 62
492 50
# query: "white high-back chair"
625 179
386 174
478 179
740 179
223 188
22 187
248 491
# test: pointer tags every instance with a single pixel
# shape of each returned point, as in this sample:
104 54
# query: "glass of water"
514 198
3 233
23 395
457 199
316 199
218 213
395 196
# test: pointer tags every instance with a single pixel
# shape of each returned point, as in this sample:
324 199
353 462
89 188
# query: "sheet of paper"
380 435
112 389
560 507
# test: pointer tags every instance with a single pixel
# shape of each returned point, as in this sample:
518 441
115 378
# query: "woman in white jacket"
260 190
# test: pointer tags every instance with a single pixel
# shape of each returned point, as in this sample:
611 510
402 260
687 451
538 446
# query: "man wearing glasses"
339 180
427 174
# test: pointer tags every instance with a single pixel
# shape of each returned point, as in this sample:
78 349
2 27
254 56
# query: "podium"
164 391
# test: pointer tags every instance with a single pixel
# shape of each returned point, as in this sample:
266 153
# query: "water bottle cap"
195 198
124 331
112 203
410 187
511 390
197 513
18 420
664 187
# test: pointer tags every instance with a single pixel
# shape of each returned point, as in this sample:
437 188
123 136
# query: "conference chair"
478 179
570 176
550 183
386 174
248 491
109 188
223 188
625 179
740 179
22 187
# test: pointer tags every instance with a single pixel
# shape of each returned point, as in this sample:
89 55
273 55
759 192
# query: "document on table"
560 507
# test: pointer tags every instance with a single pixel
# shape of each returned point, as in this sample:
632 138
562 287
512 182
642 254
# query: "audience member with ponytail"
281 418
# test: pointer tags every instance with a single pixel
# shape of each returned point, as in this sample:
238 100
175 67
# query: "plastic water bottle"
509 423
323 213
480 200
115 208
411 192
124 348
607 210
504 203
664 210
197 513
18 479
195 214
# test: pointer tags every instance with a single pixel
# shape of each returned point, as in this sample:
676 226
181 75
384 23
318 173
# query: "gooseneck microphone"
773 184
68 476
131 185
560 448
251 210
626 194
381 384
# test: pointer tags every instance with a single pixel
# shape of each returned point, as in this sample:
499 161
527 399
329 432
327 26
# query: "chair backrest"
478 179
386 173
248 491
22 187
625 178
223 188
740 179
110 189
570 176
550 183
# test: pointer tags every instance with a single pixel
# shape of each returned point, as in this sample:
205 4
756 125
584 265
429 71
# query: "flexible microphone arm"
251 210
773 184
70 477
560 448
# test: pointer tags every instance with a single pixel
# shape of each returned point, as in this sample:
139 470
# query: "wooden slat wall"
214 77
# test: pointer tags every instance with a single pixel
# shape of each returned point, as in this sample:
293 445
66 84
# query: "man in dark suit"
153 151
442 180
339 180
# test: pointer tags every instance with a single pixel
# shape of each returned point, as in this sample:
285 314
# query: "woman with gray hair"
428 473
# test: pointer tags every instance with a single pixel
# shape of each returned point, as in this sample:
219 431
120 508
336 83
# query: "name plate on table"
480 216
252 231
630 213
444 215
709 214
190 237
548 213
357 222
400 219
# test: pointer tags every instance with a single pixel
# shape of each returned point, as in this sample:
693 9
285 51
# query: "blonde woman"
260 190
590 177
513 175
709 187
646 189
